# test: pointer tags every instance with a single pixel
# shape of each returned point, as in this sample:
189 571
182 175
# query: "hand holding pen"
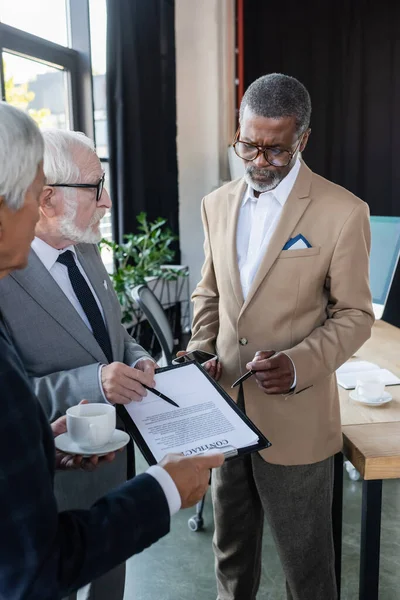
243 378
257 367
273 371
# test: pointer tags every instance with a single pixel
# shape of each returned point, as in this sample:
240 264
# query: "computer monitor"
385 252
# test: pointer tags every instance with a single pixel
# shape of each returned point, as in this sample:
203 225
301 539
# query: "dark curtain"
347 54
142 112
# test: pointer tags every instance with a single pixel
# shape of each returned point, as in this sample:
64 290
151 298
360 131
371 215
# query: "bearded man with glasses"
65 320
284 293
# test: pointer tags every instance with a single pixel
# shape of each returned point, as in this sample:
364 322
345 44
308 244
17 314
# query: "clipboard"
229 451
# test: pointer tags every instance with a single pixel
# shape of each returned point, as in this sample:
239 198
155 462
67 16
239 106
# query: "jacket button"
243 341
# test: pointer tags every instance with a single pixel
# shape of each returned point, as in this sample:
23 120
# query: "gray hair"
21 151
275 96
59 154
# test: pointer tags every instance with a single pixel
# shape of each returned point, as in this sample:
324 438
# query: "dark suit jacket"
45 555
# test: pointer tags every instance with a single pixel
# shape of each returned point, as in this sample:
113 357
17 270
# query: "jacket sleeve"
58 391
132 350
205 324
350 314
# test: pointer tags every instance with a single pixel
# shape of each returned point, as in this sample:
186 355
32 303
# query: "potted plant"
144 258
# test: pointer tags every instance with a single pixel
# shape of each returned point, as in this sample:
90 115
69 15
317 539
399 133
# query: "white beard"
259 186
70 231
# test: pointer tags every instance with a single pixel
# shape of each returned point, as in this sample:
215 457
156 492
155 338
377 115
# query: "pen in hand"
243 378
251 372
160 395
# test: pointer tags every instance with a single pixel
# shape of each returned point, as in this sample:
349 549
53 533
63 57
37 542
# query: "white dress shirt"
258 219
48 256
169 488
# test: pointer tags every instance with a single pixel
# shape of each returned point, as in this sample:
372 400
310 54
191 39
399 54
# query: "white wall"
205 71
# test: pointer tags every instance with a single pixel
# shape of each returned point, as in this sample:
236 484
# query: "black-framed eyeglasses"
96 186
277 157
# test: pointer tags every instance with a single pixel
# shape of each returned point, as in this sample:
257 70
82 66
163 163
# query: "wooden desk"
371 442
374 449
382 348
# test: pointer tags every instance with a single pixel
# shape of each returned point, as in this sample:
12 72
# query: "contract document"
205 419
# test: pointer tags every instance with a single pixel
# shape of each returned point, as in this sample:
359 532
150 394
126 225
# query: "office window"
98 29
38 70
42 43
45 18
106 226
38 89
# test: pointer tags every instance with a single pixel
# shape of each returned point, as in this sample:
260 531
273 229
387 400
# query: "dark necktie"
88 302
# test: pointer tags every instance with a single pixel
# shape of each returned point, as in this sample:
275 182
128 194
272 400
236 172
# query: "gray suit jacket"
59 352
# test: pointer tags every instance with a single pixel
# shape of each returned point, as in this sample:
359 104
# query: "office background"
160 95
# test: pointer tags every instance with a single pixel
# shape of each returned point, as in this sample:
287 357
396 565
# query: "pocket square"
297 243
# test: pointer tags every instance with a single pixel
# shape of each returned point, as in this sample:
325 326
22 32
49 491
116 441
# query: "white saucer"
119 439
382 400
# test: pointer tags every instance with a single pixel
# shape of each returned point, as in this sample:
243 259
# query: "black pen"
243 378
160 395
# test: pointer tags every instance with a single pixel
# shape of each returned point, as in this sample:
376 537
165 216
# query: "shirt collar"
282 190
46 253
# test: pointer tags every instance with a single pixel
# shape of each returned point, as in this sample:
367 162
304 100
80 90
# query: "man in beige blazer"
285 292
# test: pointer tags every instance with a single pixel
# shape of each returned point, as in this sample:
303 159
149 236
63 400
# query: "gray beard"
70 231
273 179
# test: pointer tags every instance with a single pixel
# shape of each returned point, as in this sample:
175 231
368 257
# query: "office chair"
154 313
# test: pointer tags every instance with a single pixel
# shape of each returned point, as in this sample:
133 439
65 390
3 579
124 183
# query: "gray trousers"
297 502
81 489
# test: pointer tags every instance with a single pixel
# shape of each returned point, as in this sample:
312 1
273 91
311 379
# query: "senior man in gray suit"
65 319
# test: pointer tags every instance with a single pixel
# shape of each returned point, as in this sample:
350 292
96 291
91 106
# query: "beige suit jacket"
314 304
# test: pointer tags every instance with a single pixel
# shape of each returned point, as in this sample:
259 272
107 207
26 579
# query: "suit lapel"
292 212
233 205
40 285
89 260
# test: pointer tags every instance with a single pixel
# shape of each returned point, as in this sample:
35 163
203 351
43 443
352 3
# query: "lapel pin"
105 285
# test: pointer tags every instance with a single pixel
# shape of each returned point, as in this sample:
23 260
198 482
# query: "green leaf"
141 255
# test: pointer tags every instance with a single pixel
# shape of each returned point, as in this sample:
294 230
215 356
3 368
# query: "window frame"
75 60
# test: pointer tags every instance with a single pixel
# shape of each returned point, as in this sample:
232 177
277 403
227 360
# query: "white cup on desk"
91 425
370 390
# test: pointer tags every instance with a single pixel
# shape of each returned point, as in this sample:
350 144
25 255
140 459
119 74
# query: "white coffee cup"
370 390
91 425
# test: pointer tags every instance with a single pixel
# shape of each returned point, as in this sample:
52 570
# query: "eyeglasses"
277 157
96 186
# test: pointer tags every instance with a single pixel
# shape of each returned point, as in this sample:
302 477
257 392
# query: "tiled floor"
180 566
